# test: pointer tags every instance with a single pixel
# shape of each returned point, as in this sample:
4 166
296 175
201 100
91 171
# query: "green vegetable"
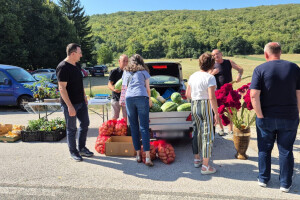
156 101
176 97
118 85
169 106
154 93
155 108
184 107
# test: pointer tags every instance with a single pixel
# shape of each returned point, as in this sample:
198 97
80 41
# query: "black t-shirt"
224 75
278 81
114 76
71 74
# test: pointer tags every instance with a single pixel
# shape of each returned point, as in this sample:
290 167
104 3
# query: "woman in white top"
201 90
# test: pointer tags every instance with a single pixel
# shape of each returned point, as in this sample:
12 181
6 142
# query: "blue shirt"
278 81
137 85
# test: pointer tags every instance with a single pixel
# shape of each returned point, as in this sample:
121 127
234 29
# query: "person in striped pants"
201 90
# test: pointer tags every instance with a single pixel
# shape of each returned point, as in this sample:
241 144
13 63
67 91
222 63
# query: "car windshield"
40 76
158 80
21 75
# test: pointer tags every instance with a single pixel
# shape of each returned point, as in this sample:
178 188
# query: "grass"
189 66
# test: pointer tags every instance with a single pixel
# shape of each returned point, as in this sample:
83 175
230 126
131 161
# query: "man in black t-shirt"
114 76
223 74
73 101
275 96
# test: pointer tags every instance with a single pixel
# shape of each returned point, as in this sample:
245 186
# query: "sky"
111 6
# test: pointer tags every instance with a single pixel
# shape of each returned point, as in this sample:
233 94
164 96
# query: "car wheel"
22 100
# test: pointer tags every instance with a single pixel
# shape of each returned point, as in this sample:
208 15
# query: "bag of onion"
107 128
100 143
165 152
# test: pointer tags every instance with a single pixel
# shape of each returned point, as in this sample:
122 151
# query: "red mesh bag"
107 128
166 152
100 143
121 128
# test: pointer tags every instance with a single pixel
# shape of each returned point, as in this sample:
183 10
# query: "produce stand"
42 107
48 108
104 102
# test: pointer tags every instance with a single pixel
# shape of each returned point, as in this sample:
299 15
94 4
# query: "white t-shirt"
199 83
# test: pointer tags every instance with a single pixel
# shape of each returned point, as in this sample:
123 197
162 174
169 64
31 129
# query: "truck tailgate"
169 121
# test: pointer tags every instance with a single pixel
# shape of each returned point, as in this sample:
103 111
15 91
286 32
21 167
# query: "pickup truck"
166 77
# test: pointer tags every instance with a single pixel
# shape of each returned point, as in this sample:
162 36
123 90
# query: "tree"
34 33
296 48
104 55
76 14
239 46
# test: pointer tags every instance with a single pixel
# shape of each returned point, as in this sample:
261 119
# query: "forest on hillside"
188 33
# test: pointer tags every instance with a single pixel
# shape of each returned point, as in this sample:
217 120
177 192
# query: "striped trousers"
203 134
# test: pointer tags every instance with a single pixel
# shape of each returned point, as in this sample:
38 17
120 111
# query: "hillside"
188 33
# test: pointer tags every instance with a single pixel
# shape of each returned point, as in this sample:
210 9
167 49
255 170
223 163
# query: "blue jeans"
268 130
138 115
83 118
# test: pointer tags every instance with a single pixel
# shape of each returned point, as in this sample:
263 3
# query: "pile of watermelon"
114 127
164 151
159 104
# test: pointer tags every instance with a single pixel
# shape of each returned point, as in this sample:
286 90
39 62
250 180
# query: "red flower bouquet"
229 102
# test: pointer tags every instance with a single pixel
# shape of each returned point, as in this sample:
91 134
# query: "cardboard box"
119 146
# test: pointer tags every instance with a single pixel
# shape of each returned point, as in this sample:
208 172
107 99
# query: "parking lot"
39 170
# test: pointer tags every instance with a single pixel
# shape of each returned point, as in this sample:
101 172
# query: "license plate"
168 134
98 70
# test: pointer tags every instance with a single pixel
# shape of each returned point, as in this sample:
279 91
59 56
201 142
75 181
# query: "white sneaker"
261 184
221 132
286 190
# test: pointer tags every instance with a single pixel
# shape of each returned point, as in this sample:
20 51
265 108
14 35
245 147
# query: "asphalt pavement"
38 170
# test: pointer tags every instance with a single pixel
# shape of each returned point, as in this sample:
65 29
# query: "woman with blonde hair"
201 89
136 78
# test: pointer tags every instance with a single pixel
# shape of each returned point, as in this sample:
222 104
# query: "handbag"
123 94
122 100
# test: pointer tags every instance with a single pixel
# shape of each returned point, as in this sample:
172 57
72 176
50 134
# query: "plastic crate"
30 136
52 136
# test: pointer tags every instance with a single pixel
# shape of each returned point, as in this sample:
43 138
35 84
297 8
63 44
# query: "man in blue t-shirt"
275 96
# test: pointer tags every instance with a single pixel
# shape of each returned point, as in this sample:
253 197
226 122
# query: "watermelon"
169 106
176 97
156 101
154 93
155 108
184 107
161 99
118 85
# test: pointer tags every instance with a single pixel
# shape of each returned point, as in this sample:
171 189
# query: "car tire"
22 100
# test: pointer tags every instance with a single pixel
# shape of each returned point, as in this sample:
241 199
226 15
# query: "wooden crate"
9 139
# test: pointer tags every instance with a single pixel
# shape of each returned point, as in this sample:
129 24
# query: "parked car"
104 67
49 75
84 73
88 69
97 70
43 70
12 86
